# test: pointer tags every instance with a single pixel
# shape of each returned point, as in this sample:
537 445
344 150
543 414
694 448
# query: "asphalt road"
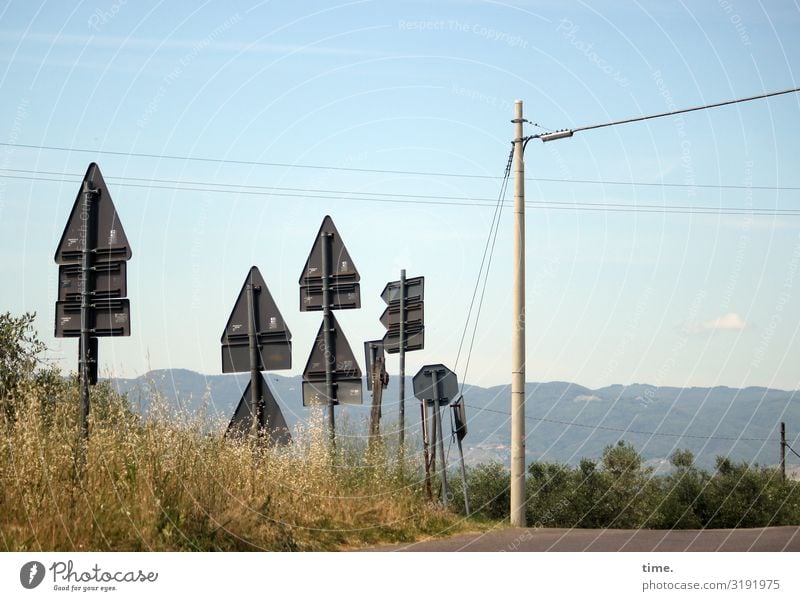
784 538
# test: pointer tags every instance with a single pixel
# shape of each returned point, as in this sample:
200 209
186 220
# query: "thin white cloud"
728 322
143 43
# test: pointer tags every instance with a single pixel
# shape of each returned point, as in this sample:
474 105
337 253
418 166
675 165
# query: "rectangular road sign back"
109 317
415 290
272 354
415 339
348 392
110 280
343 296
414 313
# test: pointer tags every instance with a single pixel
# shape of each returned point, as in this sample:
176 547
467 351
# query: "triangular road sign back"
345 364
342 267
243 418
269 320
111 241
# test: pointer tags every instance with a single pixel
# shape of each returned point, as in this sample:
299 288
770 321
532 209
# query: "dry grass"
162 483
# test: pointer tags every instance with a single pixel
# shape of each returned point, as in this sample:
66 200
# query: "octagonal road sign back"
423 384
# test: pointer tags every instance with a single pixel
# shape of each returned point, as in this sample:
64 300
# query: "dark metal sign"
414 336
272 334
348 392
110 281
108 317
373 351
111 241
342 271
415 313
343 296
271 355
460 417
442 388
404 315
415 290
346 372
246 416
345 364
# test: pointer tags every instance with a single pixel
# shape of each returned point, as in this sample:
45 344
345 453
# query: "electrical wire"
174 157
485 281
492 226
544 136
786 444
384 171
421 199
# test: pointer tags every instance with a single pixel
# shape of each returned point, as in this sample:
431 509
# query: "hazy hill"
740 423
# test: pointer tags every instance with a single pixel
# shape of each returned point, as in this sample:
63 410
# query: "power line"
623 430
663 184
174 157
493 227
446 201
568 132
366 170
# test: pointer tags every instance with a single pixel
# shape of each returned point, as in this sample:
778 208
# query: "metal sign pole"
440 438
783 450
402 426
255 373
87 291
330 350
425 449
463 473
377 389
432 438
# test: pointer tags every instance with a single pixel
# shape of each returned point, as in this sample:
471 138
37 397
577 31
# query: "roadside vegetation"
619 491
163 483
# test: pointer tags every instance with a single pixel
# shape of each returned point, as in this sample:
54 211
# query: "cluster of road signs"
92 279
92 303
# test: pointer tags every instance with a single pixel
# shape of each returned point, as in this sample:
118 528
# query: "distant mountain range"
566 422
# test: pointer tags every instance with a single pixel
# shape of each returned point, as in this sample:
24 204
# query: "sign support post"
437 418
425 449
402 426
459 423
330 350
87 291
255 372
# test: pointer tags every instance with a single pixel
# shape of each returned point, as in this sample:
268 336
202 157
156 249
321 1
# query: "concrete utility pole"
518 331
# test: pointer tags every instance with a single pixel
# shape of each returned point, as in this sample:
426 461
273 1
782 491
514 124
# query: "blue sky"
613 296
